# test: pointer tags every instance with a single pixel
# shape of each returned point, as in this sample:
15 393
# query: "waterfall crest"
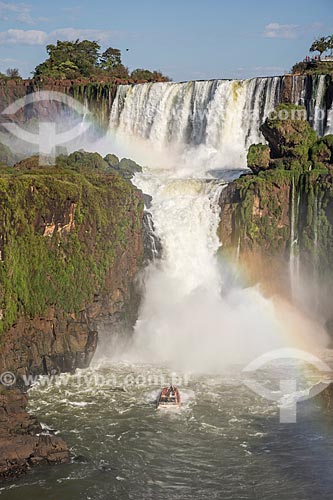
208 124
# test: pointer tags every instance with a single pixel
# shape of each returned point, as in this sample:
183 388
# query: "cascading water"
211 123
317 105
189 134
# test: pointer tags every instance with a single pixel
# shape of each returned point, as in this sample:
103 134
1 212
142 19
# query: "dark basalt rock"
22 443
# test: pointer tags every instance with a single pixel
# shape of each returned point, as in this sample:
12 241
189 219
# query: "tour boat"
169 398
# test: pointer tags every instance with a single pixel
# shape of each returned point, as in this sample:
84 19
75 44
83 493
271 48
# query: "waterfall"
207 123
316 107
298 91
329 123
189 136
190 316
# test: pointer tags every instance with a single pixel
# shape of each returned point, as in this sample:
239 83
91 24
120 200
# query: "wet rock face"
22 443
51 344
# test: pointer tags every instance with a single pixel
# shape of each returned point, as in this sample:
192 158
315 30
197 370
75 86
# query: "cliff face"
279 221
71 244
255 227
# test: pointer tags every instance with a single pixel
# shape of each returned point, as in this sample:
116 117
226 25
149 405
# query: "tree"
13 73
70 59
149 76
320 45
110 59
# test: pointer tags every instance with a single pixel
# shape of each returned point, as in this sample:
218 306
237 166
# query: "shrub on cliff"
258 157
148 76
125 167
288 132
320 152
82 160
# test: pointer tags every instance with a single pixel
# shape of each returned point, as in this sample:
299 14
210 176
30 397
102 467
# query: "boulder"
22 441
288 133
258 157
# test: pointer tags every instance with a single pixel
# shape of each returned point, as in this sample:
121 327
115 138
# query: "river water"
225 442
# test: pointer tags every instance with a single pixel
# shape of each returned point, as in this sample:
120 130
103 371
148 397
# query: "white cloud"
289 31
38 37
21 12
24 37
74 33
276 30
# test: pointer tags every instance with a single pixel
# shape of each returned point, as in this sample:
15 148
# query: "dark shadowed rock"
22 443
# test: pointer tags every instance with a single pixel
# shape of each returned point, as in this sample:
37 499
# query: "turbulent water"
196 318
225 443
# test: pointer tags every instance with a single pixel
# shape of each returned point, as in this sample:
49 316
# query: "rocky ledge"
22 442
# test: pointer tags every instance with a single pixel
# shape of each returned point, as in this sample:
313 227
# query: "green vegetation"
148 76
322 44
300 162
70 60
289 133
61 228
296 184
81 161
258 157
317 65
11 74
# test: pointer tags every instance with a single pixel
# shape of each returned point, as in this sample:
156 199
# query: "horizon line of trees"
74 59
68 60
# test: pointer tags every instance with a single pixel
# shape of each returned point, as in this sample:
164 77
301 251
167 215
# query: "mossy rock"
258 157
320 152
112 160
83 160
288 132
126 168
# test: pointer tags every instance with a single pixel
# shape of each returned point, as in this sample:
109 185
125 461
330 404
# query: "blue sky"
186 39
